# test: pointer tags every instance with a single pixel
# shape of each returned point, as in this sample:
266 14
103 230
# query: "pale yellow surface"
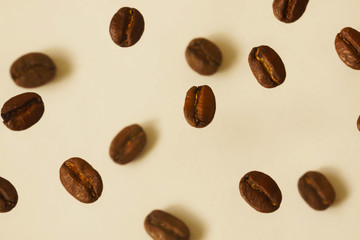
307 123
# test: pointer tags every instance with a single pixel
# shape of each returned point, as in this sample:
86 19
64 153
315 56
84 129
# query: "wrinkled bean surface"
289 11
127 27
200 106
22 111
260 191
267 66
81 180
347 45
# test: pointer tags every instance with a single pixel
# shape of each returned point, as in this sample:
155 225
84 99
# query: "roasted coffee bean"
81 180
161 225
200 106
33 70
22 111
358 123
289 11
260 191
316 190
128 144
267 66
8 195
347 45
127 27
203 56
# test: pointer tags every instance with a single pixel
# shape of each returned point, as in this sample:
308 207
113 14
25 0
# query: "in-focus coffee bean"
81 180
33 70
316 190
347 45
200 106
203 56
260 191
8 195
22 111
127 27
358 123
267 66
161 225
128 144
289 11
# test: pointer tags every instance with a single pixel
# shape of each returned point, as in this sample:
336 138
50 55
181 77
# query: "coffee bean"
200 106
161 225
81 180
289 11
128 144
127 27
203 56
22 111
33 70
316 190
347 45
260 191
8 195
267 66
358 123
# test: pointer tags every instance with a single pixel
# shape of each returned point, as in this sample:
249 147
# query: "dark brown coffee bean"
347 45
316 190
161 225
128 144
81 180
260 191
267 66
127 27
358 123
22 111
200 106
33 70
289 11
8 195
203 56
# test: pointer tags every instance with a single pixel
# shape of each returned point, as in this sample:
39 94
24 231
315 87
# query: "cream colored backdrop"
307 123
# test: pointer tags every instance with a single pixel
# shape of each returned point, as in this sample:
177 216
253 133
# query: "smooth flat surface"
307 123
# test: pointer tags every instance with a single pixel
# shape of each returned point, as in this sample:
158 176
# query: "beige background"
308 123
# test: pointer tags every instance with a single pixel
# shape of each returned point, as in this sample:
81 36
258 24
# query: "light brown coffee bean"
289 11
161 225
200 106
128 144
8 196
267 66
347 45
316 190
127 27
203 56
81 180
33 70
260 191
22 111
